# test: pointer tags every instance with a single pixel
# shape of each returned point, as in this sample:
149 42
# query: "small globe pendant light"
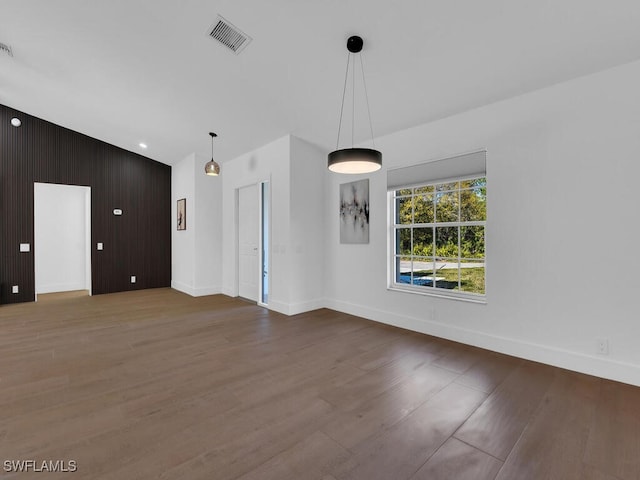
212 167
354 160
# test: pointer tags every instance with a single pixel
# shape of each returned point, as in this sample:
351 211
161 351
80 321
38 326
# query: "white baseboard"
295 308
591 365
279 307
204 291
181 287
60 287
229 292
195 291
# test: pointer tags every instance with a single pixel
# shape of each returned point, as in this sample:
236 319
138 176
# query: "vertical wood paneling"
137 243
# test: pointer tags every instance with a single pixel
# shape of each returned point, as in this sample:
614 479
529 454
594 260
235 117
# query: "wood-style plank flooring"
156 384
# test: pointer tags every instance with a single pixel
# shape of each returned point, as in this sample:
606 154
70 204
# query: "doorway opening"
62 239
264 244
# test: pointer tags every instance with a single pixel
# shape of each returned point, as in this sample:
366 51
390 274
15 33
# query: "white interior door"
248 223
62 236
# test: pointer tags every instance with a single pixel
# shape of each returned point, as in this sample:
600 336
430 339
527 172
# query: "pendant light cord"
353 98
353 101
366 96
344 91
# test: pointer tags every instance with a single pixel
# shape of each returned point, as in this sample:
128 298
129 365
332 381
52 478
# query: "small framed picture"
182 214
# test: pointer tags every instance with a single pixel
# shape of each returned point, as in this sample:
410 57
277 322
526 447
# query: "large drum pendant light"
354 160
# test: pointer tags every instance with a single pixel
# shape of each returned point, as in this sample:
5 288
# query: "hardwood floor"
156 384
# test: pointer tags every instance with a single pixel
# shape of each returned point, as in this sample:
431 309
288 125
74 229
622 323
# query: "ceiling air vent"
229 36
6 49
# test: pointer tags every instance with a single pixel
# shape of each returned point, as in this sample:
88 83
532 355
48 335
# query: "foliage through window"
439 232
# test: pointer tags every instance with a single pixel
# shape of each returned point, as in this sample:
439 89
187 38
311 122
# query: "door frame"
261 248
88 245
236 246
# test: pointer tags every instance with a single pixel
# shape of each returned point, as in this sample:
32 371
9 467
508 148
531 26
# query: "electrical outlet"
15 289
603 346
133 279
100 246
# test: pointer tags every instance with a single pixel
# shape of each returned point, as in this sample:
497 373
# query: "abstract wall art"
182 214
354 212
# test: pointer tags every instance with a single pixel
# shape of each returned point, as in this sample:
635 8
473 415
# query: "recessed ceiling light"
16 122
142 145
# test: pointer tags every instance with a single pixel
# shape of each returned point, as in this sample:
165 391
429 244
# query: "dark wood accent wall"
136 243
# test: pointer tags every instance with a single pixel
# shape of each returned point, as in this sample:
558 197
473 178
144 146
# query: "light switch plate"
25 247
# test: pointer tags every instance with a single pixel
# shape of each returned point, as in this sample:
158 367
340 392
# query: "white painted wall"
557 160
562 168
183 241
208 239
268 163
196 257
62 234
308 234
295 170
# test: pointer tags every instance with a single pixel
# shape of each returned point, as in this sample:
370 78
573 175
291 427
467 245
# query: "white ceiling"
130 71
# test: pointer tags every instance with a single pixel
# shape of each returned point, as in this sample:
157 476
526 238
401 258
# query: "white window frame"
431 290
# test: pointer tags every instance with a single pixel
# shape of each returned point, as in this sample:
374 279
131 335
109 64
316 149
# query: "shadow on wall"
253 163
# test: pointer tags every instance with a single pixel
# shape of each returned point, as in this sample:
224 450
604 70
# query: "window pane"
427 189
475 183
423 271
431 255
447 207
446 241
403 269
472 242
403 210
403 241
472 277
447 186
423 209
423 242
447 273
473 205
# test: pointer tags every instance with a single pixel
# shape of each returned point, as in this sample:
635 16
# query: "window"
439 237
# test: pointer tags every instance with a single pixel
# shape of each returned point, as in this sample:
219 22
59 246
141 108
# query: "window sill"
480 299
